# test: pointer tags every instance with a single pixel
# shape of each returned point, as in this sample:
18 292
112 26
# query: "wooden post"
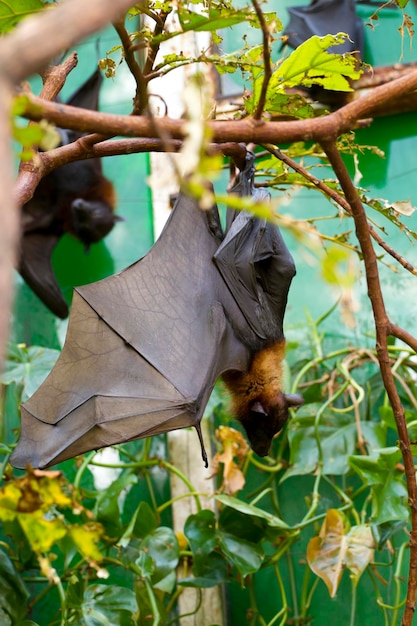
185 452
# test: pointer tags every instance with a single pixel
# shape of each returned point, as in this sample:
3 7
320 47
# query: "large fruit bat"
75 198
326 17
145 347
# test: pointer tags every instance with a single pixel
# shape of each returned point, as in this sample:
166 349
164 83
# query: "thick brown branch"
54 77
80 149
383 329
248 130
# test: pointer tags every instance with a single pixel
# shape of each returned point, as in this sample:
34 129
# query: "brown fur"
261 383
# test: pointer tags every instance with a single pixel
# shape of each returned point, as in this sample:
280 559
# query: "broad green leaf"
253 529
245 555
145 565
200 530
214 19
109 605
336 548
383 532
373 469
12 12
248 509
107 504
311 64
142 523
390 501
338 436
389 493
13 595
162 547
212 571
28 367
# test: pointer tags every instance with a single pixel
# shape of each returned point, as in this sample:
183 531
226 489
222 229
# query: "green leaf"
211 571
253 529
389 493
107 504
145 565
213 19
245 555
200 530
373 469
337 434
162 547
143 522
310 64
248 509
109 605
13 595
12 12
383 532
28 135
28 367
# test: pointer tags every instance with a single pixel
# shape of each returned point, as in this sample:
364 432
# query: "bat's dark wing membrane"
256 265
86 97
326 17
143 350
258 269
35 268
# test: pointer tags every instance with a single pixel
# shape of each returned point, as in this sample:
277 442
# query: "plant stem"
353 604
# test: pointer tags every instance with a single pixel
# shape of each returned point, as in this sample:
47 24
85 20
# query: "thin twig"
341 201
154 47
140 101
266 44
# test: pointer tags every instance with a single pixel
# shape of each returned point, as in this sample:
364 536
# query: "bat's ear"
294 400
258 408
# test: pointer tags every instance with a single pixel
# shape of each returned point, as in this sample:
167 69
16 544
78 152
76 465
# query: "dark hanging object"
324 17
145 347
75 198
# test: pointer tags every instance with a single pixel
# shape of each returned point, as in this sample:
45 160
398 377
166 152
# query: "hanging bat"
326 17
145 347
75 198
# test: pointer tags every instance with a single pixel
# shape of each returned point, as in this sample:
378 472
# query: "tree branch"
266 38
248 130
383 330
